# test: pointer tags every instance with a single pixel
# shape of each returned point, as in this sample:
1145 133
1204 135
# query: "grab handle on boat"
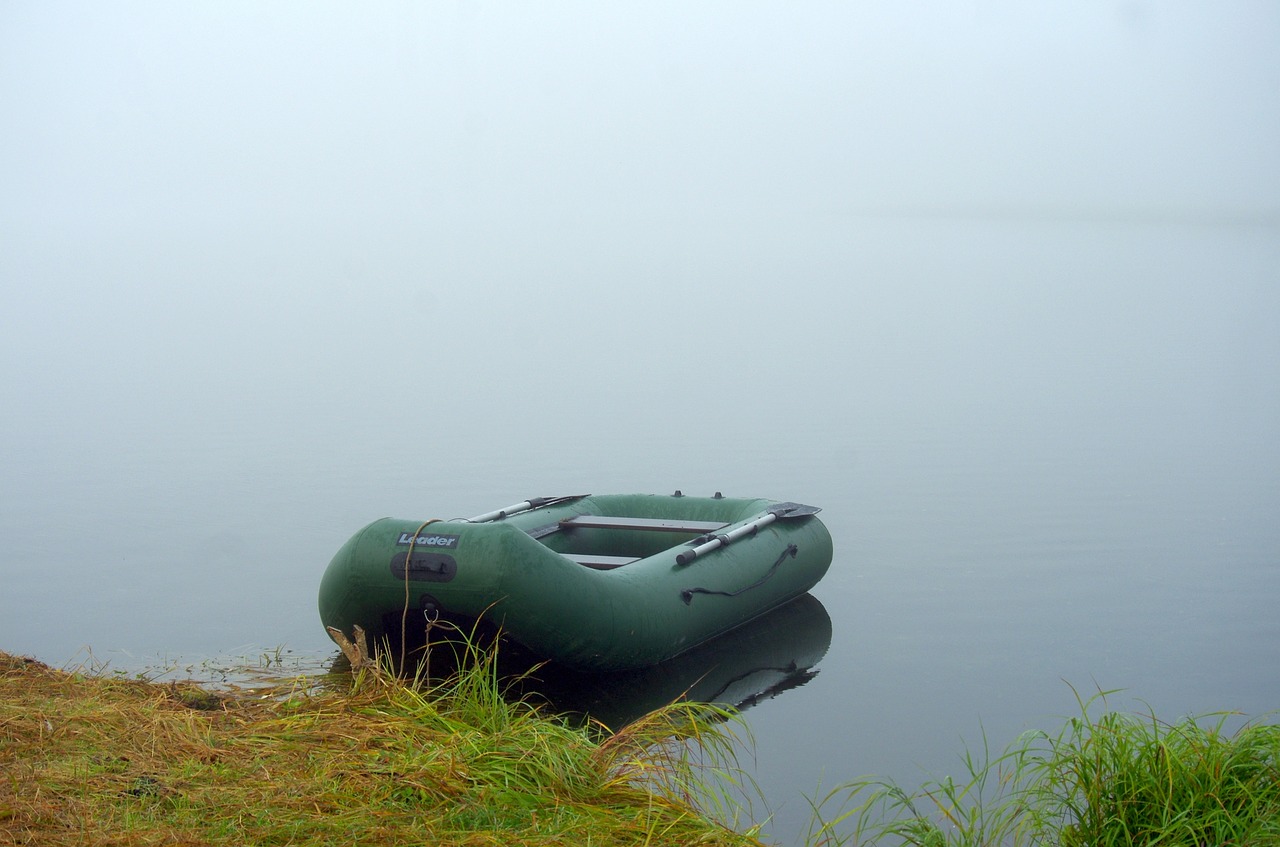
687 594
782 511
524 506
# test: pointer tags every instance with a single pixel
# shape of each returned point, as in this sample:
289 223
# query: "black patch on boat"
424 567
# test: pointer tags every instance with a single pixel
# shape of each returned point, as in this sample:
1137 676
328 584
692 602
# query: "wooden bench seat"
603 562
648 524
600 563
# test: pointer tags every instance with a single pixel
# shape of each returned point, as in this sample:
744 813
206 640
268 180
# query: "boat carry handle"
524 506
687 594
782 511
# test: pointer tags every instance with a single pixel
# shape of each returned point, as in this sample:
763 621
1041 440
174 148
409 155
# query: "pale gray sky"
157 111
210 206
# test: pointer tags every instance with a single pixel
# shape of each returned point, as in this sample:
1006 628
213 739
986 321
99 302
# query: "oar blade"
786 511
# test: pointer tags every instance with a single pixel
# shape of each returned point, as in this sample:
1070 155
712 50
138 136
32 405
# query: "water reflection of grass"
1104 779
88 758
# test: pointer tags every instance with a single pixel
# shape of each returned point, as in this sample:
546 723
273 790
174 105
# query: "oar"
524 506
782 511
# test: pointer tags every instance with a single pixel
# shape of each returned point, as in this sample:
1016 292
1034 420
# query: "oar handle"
786 511
523 506
513 509
749 528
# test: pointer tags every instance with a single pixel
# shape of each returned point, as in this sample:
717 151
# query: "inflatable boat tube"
604 582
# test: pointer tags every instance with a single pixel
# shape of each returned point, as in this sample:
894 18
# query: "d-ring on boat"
604 582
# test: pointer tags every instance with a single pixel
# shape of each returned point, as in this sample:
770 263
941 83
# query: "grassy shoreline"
87 758
368 758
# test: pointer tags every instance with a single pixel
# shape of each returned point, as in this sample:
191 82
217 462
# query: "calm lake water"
1047 450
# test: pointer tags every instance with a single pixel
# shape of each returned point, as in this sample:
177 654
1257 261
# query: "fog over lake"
995 285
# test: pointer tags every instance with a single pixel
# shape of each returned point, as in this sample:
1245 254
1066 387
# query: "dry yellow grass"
91 759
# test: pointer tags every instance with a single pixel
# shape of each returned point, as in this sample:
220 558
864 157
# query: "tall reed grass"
1104 780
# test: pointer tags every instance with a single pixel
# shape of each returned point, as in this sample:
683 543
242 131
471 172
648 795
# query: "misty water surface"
996 288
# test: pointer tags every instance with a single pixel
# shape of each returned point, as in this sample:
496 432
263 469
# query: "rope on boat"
792 550
408 557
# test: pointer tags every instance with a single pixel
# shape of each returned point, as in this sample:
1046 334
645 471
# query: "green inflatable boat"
604 582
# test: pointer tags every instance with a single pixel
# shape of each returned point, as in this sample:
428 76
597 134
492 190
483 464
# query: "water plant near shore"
1104 780
374 760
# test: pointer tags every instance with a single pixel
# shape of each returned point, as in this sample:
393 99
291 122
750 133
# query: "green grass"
369 758
363 759
1103 780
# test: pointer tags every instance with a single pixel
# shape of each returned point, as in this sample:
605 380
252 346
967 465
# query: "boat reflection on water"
757 661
